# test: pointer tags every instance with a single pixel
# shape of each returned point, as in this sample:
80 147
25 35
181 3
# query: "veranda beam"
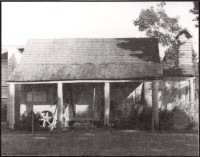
59 104
11 106
84 81
155 116
106 103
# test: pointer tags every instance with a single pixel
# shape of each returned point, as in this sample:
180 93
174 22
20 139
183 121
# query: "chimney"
185 50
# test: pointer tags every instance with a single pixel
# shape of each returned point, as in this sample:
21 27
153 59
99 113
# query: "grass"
100 143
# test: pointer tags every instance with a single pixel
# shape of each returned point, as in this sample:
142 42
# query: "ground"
83 142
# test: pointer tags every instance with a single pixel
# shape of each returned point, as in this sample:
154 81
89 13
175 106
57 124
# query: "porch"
96 101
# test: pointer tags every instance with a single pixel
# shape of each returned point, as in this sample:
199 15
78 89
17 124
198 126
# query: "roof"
13 46
180 71
87 59
186 32
4 55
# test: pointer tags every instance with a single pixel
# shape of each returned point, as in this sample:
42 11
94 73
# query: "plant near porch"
25 124
3 111
183 116
191 110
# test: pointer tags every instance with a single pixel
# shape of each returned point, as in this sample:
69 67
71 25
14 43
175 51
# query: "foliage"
191 109
173 92
156 23
3 111
26 122
166 120
145 119
195 11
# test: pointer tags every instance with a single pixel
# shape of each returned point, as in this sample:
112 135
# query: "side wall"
4 88
78 100
169 91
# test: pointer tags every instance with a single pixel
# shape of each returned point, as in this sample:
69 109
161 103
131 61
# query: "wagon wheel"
46 119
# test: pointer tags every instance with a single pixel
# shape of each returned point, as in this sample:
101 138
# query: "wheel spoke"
46 119
51 127
44 124
48 122
42 114
50 118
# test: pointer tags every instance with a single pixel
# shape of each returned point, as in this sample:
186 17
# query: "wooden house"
69 71
94 78
10 57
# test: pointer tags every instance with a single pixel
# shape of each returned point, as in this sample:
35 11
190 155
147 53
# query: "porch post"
191 90
59 104
106 103
17 103
11 106
147 93
155 116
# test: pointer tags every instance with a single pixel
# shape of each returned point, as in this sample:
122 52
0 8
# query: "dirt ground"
99 143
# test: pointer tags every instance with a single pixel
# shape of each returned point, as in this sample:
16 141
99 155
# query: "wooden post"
187 91
72 102
155 116
106 103
59 104
147 94
191 90
11 106
32 113
17 103
93 103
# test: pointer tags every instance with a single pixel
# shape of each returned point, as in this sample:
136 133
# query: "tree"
156 23
195 11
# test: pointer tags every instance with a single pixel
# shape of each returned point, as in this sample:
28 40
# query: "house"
10 57
94 78
178 87
183 74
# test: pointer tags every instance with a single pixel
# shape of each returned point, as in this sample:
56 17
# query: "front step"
86 124
82 123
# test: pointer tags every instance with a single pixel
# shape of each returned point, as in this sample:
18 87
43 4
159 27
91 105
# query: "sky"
32 20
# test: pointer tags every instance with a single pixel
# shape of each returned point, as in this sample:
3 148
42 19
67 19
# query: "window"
36 96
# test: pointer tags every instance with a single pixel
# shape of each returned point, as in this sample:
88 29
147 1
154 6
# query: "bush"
3 113
26 123
145 119
191 109
166 120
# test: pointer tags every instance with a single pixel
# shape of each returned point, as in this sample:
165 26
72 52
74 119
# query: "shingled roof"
87 59
180 71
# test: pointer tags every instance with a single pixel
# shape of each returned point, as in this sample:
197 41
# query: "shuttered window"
36 96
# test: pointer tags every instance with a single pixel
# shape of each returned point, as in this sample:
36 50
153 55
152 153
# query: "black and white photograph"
100 78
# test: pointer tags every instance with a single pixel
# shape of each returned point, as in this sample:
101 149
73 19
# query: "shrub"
191 109
166 120
26 123
145 119
3 113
